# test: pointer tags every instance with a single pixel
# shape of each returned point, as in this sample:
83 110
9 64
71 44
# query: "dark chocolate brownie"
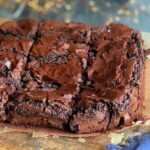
112 95
41 108
56 64
70 76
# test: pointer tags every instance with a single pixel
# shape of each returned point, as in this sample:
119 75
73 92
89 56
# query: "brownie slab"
115 77
91 113
70 76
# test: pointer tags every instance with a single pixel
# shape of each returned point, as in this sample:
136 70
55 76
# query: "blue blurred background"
135 13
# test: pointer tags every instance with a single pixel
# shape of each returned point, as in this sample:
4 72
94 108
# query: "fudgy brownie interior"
70 76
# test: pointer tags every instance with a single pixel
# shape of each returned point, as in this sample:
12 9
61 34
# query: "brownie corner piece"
41 108
91 114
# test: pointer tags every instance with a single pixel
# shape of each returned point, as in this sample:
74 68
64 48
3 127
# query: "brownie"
41 108
25 28
59 58
55 67
112 94
70 76
80 32
13 56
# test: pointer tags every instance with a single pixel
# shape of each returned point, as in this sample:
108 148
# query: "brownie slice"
13 56
59 58
53 77
113 93
25 28
41 108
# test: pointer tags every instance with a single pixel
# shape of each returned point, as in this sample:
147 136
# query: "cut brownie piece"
54 71
13 55
91 115
59 57
112 95
41 108
25 28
